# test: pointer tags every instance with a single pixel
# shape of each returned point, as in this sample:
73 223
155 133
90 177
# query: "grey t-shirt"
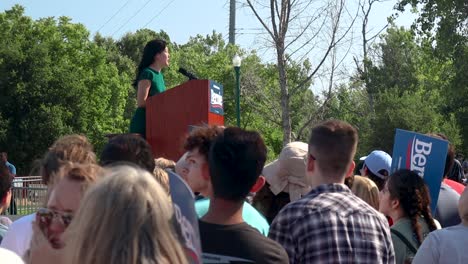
447 245
447 206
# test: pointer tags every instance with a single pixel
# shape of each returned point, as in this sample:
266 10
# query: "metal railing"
28 195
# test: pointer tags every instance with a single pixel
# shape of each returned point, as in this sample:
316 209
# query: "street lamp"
236 62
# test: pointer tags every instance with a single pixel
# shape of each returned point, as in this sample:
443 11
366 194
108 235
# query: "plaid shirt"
332 225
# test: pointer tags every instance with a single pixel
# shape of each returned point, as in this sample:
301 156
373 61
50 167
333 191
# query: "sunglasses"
46 216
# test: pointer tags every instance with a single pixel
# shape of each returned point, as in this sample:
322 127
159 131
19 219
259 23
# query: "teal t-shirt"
156 78
249 213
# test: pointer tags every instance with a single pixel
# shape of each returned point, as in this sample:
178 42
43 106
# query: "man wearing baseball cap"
377 167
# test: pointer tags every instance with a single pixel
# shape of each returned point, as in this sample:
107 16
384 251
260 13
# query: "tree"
54 81
409 111
363 68
294 32
397 61
444 24
409 85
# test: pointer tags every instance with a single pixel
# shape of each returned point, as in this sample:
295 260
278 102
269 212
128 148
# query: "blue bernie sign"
186 217
423 154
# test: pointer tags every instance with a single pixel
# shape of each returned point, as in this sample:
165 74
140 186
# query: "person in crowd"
465 169
236 159
197 146
330 224
405 198
181 167
149 81
364 188
165 164
447 203
447 245
12 169
377 167
72 148
456 173
128 148
163 179
285 181
73 180
6 181
133 224
456 178
4 159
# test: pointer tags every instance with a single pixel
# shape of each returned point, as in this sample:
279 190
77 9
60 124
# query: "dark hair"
202 138
449 160
410 190
152 48
269 204
6 180
376 179
128 148
236 160
333 143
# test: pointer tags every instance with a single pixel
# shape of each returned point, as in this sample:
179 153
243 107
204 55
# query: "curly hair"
410 190
201 138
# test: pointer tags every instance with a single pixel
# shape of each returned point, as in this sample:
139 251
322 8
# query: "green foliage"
54 81
410 111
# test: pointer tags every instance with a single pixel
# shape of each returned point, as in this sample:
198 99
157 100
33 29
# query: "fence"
28 195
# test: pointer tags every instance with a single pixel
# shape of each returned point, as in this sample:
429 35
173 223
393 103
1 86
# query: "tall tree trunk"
285 107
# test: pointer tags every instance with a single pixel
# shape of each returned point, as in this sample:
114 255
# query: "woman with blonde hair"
71 183
126 218
69 148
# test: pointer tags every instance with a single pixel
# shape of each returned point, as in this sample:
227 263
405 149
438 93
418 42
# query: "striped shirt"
332 225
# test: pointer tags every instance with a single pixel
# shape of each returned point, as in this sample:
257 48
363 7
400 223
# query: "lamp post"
236 62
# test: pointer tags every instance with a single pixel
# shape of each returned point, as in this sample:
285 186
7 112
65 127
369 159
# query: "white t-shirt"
19 235
446 245
9 257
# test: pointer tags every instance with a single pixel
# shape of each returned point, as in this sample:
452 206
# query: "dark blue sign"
423 154
216 98
186 216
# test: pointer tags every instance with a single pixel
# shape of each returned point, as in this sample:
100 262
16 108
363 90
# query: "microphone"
188 74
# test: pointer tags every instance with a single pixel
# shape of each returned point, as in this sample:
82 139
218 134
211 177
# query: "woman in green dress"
149 81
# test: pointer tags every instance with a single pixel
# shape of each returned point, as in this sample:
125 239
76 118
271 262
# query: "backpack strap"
403 238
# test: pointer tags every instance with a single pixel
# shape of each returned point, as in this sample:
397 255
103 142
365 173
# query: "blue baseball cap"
378 160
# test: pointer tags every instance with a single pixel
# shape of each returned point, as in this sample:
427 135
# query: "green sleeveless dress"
138 122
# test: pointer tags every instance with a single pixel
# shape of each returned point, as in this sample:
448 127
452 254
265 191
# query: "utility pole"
232 22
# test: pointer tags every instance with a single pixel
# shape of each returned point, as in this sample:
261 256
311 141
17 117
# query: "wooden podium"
171 114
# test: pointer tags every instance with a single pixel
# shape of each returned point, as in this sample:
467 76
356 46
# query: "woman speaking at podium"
149 81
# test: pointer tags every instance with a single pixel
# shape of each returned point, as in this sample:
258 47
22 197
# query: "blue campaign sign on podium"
186 217
423 154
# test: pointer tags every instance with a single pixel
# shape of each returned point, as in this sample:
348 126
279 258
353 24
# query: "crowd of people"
308 205
312 204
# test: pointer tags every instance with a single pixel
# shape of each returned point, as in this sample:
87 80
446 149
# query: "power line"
164 8
118 11
134 15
